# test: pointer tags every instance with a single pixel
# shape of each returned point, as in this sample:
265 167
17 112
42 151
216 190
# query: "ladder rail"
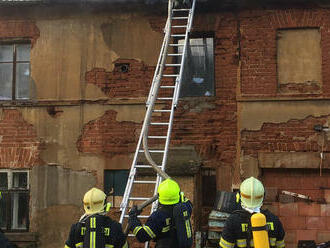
184 53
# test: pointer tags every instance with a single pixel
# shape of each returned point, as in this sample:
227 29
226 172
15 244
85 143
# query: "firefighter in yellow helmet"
238 231
95 229
169 225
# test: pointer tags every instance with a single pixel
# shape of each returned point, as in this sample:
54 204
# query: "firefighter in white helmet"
238 231
95 229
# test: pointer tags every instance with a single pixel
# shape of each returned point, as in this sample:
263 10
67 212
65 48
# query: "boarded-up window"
299 61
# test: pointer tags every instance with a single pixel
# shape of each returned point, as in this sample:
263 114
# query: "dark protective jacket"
101 228
237 231
158 227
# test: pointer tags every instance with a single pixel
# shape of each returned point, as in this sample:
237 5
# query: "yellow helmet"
94 201
169 192
252 193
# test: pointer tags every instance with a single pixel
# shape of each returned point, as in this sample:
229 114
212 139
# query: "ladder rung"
176 45
179 26
180 17
165 98
159 123
174 54
180 10
146 182
167 87
157 137
153 151
171 75
178 35
172 64
162 110
139 216
145 166
138 198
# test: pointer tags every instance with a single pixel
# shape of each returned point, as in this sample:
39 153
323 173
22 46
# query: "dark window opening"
209 187
198 72
14 205
15 71
115 181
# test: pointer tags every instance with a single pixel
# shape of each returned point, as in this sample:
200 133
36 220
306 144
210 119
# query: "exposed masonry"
108 137
300 88
291 136
14 29
19 145
258 49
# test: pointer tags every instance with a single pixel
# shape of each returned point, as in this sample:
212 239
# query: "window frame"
198 35
112 194
9 191
14 62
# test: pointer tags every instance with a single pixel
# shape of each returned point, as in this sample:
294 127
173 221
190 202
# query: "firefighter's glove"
134 211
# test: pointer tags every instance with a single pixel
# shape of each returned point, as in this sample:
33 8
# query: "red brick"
319 223
306 235
288 209
309 209
293 222
272 207
323 236
290 237
327 195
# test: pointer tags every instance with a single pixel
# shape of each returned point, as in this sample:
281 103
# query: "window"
14 71
198 73
209 187
115 183
14 206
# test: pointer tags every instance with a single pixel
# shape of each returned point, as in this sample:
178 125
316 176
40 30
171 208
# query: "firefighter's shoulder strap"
182 225
246 216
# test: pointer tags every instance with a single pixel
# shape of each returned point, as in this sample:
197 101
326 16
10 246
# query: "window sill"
22 237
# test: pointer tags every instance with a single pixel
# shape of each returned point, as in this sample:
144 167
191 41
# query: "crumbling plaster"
83 43
252 115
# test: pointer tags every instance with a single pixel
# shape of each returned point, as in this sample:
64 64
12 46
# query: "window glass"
20 180
3 214
6 53
198 73
3 180
19 210
6 78
116 180
22 80
23 52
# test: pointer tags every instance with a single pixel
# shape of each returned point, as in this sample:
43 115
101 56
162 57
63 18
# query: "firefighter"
95 229
238 231
163 225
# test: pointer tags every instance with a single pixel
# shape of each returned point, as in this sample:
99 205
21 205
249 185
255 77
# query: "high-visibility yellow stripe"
66 246
92 239
108 246
272 241
125 245
244 227
270 225
188 230
225 244
149 231
241 242
83 231
280 244
137 229
79 245
166 229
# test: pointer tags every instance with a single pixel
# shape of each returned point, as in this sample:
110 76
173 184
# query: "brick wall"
19 145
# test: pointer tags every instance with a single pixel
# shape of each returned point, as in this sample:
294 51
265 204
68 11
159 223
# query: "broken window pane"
198 73
22 80
6 78
6 53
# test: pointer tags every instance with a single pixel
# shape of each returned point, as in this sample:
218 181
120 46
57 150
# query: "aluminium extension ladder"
163 98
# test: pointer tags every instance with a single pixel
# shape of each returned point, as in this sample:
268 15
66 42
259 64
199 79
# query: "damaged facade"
74 80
